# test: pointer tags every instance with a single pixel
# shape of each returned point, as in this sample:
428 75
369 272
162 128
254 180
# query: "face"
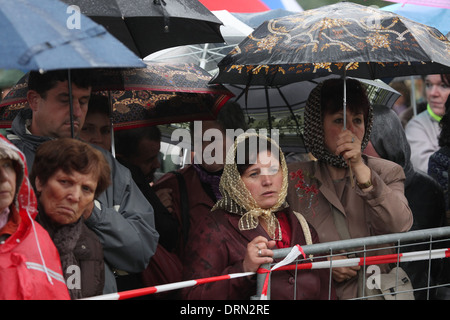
51 116
211 160
7 183
65 196
264 180
436 92
147 158
97 130
333 125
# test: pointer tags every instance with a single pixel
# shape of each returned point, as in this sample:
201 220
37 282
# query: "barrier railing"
421 253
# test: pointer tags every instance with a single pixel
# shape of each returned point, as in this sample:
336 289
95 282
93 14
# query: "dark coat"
78 245
217 247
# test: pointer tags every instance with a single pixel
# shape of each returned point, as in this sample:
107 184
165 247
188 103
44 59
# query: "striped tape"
283 265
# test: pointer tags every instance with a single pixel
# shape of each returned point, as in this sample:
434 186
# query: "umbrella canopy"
146 26
438 18
41 35
251 5
434 3
282 107
207 55
160 93
344 38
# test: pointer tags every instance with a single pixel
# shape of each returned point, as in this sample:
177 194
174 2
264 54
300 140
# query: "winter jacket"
122 218
78 246
217 247
425 196
422 132
30 266
382 210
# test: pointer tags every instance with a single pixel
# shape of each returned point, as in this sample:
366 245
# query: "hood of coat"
25 202
388 138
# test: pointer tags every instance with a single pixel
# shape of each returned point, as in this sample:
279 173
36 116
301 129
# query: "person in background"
97 126
439 162
250 220
67 175
423 130
404 101
138 150
345 194
122 218
424 195
23 242
194 190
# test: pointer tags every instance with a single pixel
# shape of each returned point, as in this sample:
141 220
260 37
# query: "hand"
349 146
165 196
342 274
258 253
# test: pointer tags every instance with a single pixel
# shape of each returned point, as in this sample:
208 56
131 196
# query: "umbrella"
248 6
146 26
344 38
160 93
438 18
38 35
281 107
207 55
434 3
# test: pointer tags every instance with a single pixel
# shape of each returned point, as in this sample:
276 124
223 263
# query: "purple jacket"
216 247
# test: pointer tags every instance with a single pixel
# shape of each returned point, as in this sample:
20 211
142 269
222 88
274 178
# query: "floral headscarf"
238 200
314 134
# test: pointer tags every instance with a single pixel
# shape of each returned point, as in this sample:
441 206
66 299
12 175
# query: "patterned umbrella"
158 94
344 38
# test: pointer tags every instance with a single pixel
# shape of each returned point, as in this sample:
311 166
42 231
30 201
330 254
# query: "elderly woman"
249 221
29 262
354 195
68 174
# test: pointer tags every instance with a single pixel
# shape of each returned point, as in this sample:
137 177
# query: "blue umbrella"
438 18
49 35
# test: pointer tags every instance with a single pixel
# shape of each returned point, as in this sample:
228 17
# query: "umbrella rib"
289 106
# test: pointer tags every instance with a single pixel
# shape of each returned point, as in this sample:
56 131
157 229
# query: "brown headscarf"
313 133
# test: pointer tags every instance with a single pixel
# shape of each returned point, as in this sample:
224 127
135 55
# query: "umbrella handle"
344 106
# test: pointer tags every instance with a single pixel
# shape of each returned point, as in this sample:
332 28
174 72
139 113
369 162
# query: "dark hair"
333 96
249 145
70 155
230 116
444 136
127 141
98 103
42 82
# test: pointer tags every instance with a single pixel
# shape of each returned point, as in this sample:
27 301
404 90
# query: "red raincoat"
30 268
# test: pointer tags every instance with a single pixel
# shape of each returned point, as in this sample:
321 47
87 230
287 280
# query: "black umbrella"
158 94
343 38
146 26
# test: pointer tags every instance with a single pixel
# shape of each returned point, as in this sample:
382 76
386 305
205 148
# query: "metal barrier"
422 251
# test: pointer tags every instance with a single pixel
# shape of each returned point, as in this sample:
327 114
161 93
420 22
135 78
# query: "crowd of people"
86 221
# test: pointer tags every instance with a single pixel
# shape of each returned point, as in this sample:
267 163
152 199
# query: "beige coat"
382 210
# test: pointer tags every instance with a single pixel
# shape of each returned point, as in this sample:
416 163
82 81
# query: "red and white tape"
283 265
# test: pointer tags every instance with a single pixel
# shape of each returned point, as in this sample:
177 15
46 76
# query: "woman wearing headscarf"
30 268
354 195
250 220
68 174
